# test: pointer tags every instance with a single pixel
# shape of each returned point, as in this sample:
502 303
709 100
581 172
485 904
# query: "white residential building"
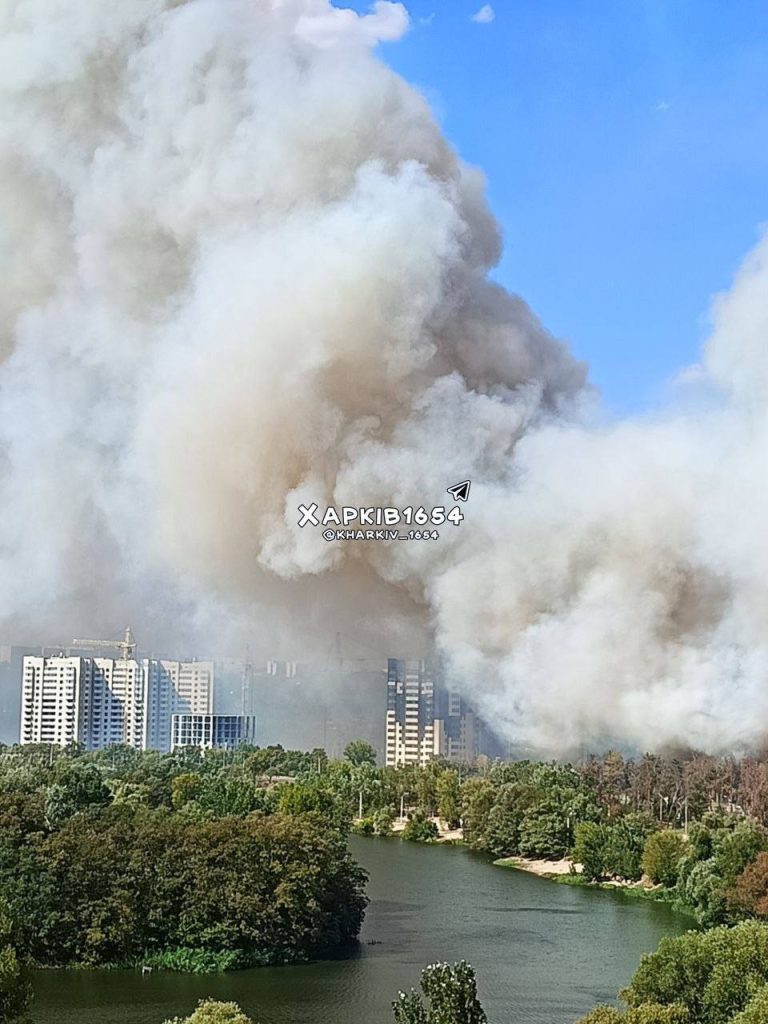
102 701
52 699
175 688
114 703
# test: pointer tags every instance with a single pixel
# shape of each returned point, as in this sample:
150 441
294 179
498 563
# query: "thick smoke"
243 270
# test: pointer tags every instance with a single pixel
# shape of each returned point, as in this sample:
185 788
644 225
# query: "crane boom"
126 646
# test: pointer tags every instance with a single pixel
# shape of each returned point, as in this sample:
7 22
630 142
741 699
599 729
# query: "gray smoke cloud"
244 270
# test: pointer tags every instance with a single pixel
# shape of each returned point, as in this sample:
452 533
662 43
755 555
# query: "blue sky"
626 148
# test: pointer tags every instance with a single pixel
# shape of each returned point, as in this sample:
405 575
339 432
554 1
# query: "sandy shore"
543 868
444 834
554 868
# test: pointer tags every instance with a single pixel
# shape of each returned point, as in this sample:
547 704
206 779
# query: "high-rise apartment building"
52 699
456 727
410 712
113 702
101 701
175 688
427 719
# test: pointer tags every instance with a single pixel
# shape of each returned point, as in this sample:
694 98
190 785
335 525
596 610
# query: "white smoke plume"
242 270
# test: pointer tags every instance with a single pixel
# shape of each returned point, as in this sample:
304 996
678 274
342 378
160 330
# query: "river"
544 953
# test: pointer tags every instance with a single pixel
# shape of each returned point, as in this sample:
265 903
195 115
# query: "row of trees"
718 872
605 813
605 810
672 789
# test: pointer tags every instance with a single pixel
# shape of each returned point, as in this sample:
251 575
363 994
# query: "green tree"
359 752
502 833
450 992
426 786
302 797
720 848
77 787
449 797
589 849
625 843
477 799
702 890
739 846
14 989
185 787
210 1012
546 831
561 800
662 855
382 822
712 974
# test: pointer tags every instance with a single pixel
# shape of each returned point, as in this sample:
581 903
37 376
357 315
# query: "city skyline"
152 703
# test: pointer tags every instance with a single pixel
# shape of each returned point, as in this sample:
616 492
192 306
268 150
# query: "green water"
544 953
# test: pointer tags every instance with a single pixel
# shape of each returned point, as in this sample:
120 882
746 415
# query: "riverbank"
445 834
566 872
552 869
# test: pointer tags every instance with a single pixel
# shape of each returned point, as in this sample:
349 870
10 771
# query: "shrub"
382 823
210 1012
649 1013
195 961
419 829
756 1010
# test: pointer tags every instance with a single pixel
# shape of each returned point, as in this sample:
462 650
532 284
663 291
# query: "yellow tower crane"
126 646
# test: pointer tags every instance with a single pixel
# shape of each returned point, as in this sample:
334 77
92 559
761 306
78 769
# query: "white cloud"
327 25
485 15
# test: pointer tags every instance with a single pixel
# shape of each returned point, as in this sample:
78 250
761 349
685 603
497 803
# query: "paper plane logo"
460 492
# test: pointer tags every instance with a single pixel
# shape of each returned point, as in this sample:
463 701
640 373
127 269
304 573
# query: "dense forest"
188 862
